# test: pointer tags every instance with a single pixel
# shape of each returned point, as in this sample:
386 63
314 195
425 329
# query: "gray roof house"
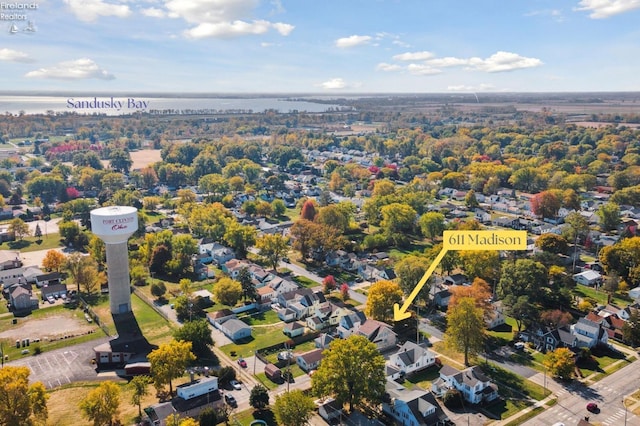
474 385
235 329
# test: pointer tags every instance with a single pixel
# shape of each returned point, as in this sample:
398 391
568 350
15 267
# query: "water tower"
114 225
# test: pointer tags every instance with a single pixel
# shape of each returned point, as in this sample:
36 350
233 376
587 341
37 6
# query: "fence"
151 303
88 310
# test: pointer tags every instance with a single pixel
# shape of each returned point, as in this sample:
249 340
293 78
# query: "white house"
472 383
310 360
589 334
412 357
415 407
634 293
235 329
588 277
497 316
378 333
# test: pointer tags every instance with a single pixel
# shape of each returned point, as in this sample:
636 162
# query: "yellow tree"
21 403
101 404
169 361
381 298
479 291
560 363
465 327
53 260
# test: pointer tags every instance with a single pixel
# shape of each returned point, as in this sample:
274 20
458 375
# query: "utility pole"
417 325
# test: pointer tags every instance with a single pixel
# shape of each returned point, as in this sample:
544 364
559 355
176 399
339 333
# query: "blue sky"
321 46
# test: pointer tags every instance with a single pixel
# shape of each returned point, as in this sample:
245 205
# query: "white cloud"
383 66
90 10
222 18
555 14
606 8
153 12
10 55
504 61
463 88
400 43
421 69
414 56
351 41
447 61
334 83
79 69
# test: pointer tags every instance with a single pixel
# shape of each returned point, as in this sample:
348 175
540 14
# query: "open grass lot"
260 318
28 244
505 408
305 282
503 334
261 338
450 357
154 327
63 404
424 378
600 296
513 386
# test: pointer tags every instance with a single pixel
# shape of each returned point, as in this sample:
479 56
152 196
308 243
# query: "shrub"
452 399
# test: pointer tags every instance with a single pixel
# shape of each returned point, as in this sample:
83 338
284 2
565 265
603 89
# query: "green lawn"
305 282
260 318
504 408
513 386
266 382
424 378
245 418
28 244
600 296
503 334
261 338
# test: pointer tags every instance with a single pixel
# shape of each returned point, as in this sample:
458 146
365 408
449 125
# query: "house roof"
588 275
324 340
410 352
9 256
293 326
222 313
18 291
587 326
234 325
53 288
312 357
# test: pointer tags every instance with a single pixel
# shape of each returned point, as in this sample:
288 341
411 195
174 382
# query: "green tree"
227 291
521 310
352 370
198 333
381 298
397 218
120 161
158 289
470 200
432 225
609 215
208 417
552 243
465 328
524 277
101 405
278 207
410 270
480 264
578 228
139 389
560 363
249 291
169 361
259 397
272 247
19 228
240 238
21 402
38 232
293 408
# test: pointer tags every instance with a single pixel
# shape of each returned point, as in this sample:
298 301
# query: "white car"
235 384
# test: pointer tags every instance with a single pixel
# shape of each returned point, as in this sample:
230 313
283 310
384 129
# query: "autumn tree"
84 271
240 238
308 210
560 363
293 408
328 284
101 405
139 389
483 264
555 318
227 291
344 292
410 270
169 361
552 243
546 204
22 403
352 371
19 228
479 291
397 220
609 215
465 328
53 260
381 298
198 334
272 247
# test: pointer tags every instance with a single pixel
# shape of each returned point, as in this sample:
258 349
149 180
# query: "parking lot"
62 366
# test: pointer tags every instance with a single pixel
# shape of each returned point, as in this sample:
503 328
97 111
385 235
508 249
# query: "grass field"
600 296
28 244
261 338
261 318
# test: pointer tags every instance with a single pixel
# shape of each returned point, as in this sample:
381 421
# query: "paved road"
607 393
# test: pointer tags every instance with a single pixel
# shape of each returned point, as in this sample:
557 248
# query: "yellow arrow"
400 313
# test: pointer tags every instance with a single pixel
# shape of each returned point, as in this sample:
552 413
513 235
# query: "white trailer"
198 387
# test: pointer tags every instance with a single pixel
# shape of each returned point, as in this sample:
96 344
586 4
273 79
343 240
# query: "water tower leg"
118 274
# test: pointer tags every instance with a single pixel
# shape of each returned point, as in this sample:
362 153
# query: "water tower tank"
114 224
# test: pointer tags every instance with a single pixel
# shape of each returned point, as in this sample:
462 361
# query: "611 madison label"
19 16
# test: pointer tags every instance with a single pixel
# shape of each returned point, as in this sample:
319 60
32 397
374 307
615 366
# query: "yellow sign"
464 240
485 240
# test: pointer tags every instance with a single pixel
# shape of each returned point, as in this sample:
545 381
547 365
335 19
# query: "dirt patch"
141 159
50 328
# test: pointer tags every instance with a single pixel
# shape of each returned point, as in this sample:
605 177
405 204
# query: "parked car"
230 400
592 407
242 363
235 384
51 300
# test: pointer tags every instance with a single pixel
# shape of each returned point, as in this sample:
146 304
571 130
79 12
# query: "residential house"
21 299
588 277
441 298
415 407
266 294
6 234
316 323
548 339
300 301
497 317
350 323
218 317
472 383
48 279
310 360
626 312
235 329
634 293
9 259
323 341
330 410
379 333
293 329
482 216
411 358
456 279
506 222
282 285
589 334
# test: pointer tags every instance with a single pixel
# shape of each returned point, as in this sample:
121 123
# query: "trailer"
197 387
